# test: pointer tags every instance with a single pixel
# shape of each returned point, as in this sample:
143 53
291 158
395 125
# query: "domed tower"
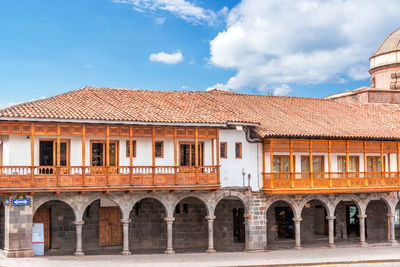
385 63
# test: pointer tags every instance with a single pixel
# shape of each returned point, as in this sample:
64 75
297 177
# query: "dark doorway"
284 222
238 225
352 221
187 154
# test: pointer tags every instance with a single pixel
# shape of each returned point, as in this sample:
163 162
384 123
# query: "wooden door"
110 227
42 215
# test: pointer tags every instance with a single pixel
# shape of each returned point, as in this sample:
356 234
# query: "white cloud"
283 89
277 42
160 21
181 8
166 58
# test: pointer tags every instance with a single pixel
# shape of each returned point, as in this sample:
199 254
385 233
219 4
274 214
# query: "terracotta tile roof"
276 116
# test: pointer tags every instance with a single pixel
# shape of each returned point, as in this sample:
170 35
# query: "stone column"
125 233
297 222
170 221
331 241
362 230
78 248
392 229
210 219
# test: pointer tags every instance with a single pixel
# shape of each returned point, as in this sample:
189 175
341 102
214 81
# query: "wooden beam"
382 165
130 146
212 152
32 153
108 146
365 163
263 161
58 144
175 148
310 161
330 162
398 161
218 154
271 162
83 145
291 163
153 155
347 163
196 152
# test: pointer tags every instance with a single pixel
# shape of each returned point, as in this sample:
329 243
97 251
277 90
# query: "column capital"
125 220
391 215
169 219
297 220
362 216
330 217
210 217
79 223
247 217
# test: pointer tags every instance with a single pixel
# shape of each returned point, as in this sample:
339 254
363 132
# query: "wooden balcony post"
271 162
196 153
32 153
107 153
130 153
175 156
212 152
382 165
153 144
365 163
330 162
83 153
311 164
291 163
217 148
398 161
58 154
263 162
347 163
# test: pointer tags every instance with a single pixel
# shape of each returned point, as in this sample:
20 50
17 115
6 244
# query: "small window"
128 149
159 149
222 151
238 150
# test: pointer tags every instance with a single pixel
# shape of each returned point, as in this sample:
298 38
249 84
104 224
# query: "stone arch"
202 199
89 200
45 201
390 203
324 200
166 205
222 195
357 201
292 204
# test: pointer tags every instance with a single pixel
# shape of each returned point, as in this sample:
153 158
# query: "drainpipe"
257 141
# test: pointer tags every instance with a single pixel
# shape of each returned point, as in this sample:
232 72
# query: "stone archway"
314 225
148 229
229 225
190 231
58 219
2 225
348 213
377 222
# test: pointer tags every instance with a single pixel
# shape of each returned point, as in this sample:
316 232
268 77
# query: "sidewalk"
310 256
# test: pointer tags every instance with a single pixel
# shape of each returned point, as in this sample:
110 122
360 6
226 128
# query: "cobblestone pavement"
372 256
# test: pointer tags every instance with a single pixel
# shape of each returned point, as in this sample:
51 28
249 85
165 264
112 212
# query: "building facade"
136 171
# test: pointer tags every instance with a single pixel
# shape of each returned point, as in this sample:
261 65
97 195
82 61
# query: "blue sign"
20 202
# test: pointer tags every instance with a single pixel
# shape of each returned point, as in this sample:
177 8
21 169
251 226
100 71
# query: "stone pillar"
392 229
331 241
18 230
362 230
297 227
125 234
78 248
210 219
170 221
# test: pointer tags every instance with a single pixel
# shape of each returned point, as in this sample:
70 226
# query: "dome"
391 44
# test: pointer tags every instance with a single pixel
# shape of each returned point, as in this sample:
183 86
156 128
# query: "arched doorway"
377 222
58 219
102 228
190 230
280 226
229 225
148 229
2 225
314 225
347 223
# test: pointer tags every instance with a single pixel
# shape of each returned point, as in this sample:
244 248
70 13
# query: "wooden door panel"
110 227
42 215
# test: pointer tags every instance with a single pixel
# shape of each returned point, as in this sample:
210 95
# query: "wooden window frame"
104 142
162 149
127 147
201 152
315 156
1 153
281 167
224 150
373 163
240 150
357 163
68 141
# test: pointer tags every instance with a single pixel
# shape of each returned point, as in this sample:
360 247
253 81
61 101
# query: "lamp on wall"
28 137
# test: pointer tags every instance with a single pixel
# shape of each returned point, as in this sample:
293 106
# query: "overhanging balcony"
56 179
329 182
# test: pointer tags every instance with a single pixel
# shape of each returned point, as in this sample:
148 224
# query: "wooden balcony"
58 179
330 182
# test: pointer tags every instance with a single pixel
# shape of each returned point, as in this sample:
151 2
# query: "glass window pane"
378 165
97 154
341 161
158 149
113 154
286 164
46 157
353 164
277 164
370 166
305 164
317 164
63 154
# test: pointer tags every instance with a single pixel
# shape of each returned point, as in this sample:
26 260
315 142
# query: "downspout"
247 130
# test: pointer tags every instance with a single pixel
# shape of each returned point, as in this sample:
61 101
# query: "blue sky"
253 46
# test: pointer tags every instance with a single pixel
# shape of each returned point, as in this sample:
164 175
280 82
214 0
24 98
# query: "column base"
257 250
126 253
298 248
363 244
211 251
331 246
18 253
169 252
394 243
79 253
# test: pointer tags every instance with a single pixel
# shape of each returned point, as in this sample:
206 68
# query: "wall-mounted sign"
21 200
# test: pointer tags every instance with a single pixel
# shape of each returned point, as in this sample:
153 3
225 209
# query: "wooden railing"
333 181
106 177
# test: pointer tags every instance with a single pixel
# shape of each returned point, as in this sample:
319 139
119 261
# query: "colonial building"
137 171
